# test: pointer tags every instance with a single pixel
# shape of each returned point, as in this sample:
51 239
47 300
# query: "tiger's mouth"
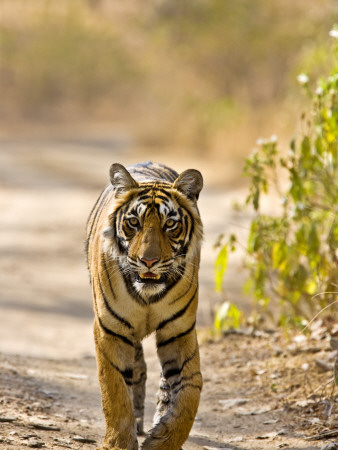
149 277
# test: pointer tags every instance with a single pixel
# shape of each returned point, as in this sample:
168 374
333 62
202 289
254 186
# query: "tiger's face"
154 227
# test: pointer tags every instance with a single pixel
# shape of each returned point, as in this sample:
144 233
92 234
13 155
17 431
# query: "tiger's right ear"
121 179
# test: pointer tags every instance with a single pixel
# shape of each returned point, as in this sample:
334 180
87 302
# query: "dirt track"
48 374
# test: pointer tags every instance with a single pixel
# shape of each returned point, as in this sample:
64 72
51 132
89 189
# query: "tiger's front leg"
115 368
179 394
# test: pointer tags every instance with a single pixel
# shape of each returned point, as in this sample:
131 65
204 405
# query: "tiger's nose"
149 262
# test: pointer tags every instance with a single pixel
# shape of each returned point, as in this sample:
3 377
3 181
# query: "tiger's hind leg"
139 387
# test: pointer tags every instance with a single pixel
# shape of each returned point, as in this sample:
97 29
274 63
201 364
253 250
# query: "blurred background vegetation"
85 83
208 76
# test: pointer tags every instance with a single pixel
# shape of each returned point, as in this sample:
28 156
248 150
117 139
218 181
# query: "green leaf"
279 254
311 287
221 264
228 316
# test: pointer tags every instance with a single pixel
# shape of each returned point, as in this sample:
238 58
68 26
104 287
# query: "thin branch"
326 307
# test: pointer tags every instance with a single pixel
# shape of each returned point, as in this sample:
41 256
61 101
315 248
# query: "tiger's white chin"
149 289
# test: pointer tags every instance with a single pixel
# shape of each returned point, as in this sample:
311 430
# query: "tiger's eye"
170 223
133 221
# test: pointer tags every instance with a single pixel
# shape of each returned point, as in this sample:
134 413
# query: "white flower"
334 34
302 78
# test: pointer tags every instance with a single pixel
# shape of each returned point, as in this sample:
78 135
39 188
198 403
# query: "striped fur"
143 249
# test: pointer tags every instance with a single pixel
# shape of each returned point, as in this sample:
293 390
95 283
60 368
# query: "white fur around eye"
108 233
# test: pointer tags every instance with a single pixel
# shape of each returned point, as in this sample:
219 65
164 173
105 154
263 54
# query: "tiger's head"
155 229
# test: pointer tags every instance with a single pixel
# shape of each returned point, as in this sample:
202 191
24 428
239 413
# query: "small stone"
34 443
267 436
42 426
83 440
330 446
75 376
324 365
232 402
4 419
271 422
282 432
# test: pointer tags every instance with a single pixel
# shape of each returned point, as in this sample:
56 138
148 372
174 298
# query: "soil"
262 390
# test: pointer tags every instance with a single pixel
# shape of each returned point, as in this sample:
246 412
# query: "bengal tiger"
143 250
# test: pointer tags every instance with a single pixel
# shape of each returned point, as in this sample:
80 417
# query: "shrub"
292 255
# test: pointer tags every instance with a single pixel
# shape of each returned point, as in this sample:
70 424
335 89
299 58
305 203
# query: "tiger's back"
143 248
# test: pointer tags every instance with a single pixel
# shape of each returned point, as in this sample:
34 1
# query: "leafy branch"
292 255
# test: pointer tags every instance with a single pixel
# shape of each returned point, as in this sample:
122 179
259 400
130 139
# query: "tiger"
144 237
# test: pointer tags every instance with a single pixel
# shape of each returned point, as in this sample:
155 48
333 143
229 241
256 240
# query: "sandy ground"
50 394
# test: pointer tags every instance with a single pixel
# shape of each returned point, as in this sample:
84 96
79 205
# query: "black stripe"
178 382
96 203
107 273
138 352
145 190
172 172
105 200
156 184
144 197
191 232
140 379
149 173
189 358
87 250
178 314
97 209
126 373
162 173
189 287
164 190
162 197
151 165
187 385
118 210
158 297
120 213
172 372
157 206
112 312
107 330
168 171
172 339
112 333
128 282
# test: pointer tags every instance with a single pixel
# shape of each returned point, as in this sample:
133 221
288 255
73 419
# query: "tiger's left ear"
121 179
190 183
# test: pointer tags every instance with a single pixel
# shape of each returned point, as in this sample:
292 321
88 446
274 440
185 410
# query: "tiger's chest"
123 311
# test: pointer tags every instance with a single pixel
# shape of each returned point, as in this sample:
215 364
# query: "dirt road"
50 395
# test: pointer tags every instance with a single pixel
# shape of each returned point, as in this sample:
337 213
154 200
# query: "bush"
292 256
